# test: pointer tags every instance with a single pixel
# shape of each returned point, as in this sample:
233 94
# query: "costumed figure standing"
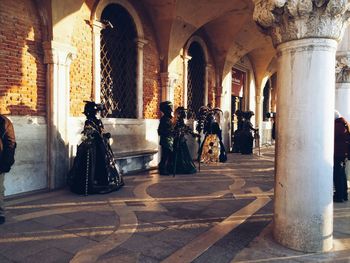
94 169
246 137
166 137
212 148
183 163
237 133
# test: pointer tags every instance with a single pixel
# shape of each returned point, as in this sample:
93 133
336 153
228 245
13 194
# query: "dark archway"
195 77
118 62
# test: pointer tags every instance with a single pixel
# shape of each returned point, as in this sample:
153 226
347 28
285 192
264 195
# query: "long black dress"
182 156
94 169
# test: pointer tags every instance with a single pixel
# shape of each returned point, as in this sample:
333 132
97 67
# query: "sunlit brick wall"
151 77
179 86
22 71
81 67
211 86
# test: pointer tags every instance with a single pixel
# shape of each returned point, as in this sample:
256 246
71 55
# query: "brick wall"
211 87
22 71
179 86
81 67
151 76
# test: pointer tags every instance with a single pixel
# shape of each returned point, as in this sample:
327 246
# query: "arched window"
195 77
118 62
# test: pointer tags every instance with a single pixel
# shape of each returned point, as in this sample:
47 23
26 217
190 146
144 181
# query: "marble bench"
133 153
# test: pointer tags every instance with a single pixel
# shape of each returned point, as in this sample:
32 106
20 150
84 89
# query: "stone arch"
204 48
96 14
97 26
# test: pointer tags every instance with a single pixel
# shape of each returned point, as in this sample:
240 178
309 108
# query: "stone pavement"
221 214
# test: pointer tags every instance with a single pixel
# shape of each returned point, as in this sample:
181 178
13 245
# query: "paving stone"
82 229
120 255
53 220
148 229
149 247
3 259
73 245
19 251
174 237
49 255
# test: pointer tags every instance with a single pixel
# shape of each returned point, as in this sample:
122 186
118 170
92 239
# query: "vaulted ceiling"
227 25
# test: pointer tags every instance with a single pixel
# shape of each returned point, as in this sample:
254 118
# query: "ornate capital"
58 53
169 79
342 67
287 20
140 42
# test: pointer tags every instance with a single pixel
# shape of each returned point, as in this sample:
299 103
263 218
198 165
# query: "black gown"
94 169
182 156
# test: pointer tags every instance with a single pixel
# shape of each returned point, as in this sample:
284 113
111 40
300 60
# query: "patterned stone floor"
221 214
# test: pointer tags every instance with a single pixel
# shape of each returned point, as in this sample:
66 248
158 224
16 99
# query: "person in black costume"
212 127
182 157
246 136
94 169
237 132
166 134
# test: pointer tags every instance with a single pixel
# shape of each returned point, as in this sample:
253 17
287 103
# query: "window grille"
196 78
118 63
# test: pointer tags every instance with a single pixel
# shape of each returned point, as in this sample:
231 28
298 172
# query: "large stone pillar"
58 57
342 86
305 34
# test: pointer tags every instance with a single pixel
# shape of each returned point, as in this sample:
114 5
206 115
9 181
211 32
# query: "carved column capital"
342 67
287 20
140 42
58 53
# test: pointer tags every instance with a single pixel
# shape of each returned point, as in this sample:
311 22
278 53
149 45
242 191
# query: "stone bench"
133 153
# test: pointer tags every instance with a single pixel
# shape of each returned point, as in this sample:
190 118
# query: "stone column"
206 83
342 86
258 110
96 53
185 59
139 77
168 81
305 34
58 57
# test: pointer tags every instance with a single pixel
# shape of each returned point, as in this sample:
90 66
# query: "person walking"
7 157
341 152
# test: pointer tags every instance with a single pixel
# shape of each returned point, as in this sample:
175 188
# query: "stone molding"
58 53
286 20
168 80
342 67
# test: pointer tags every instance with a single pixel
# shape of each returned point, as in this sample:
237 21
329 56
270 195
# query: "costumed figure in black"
212 148
94 169
246 137
237 132
182 157
166 134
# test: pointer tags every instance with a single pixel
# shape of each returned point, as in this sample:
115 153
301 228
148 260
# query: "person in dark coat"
247 138
182 157
237 133
94 169
7 157
341 152
166 137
